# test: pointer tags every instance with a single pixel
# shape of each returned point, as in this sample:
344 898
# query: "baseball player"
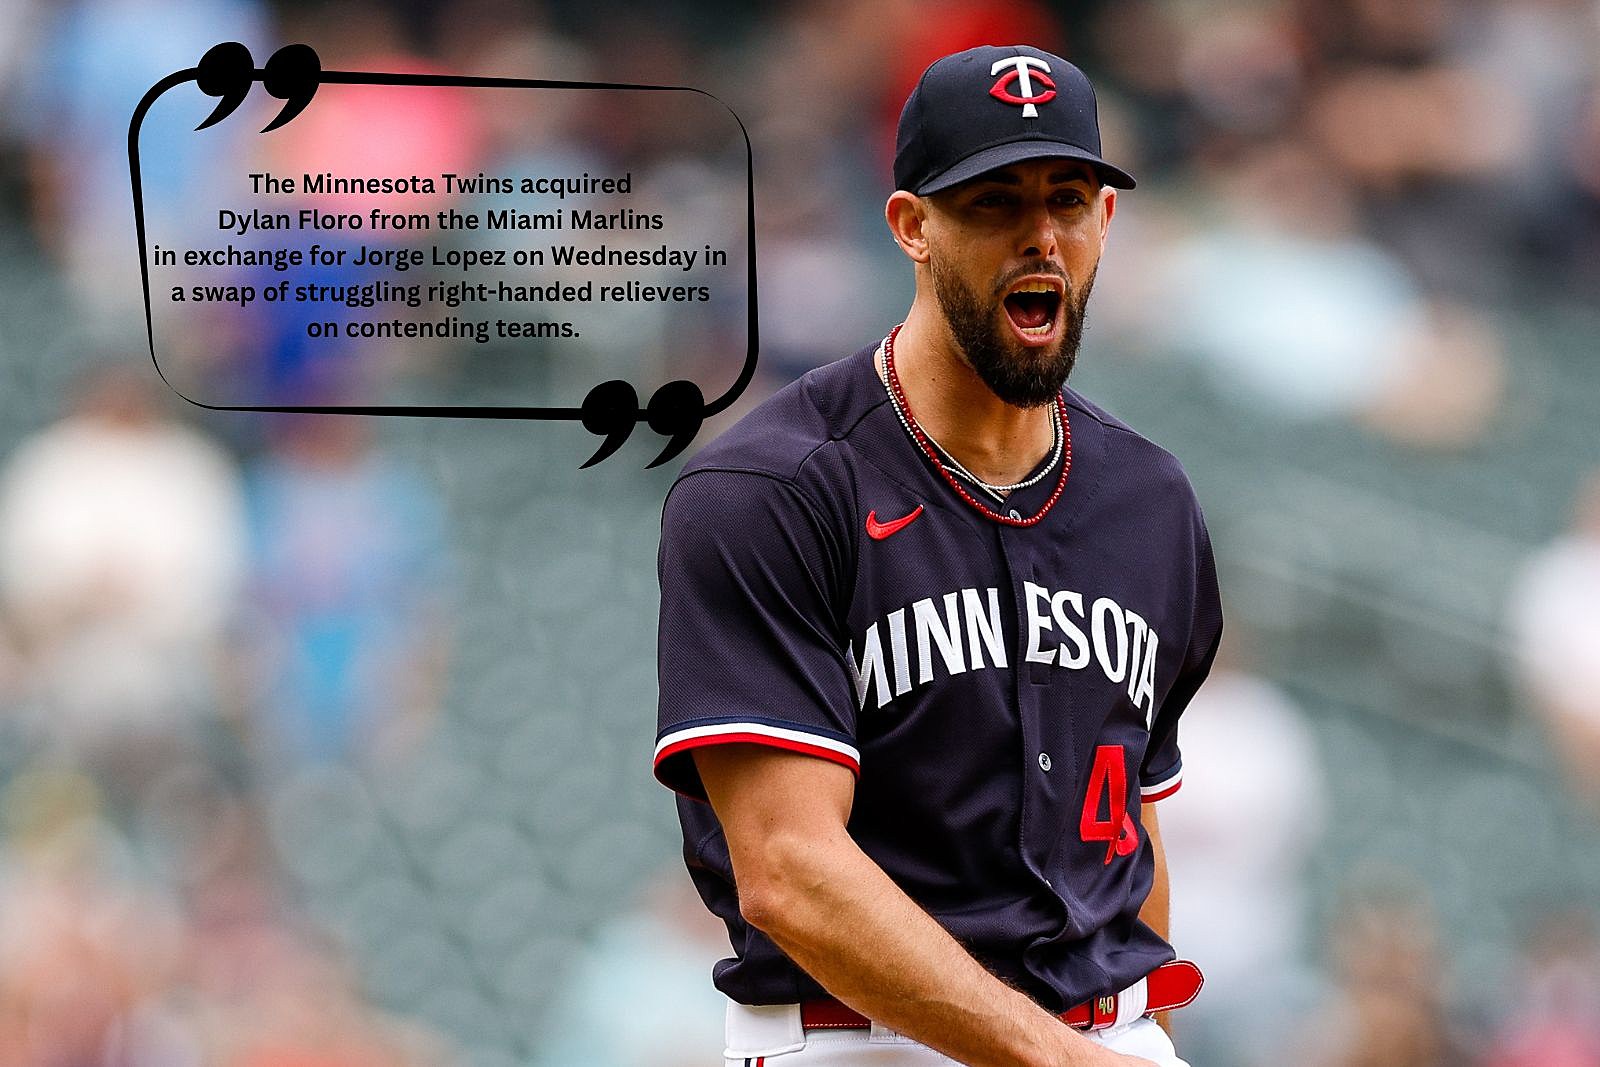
928 622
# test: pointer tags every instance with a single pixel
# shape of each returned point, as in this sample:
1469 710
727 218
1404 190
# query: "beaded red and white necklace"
902 408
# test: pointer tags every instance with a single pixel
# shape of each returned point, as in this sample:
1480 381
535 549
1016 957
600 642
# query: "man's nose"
1038 239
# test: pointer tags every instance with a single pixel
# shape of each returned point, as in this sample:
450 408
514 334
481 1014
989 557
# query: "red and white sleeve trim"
724 733
1163 789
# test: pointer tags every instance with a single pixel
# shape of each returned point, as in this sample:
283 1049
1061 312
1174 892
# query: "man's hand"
804 882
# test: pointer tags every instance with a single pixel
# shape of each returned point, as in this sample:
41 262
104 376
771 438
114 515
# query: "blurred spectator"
101 968
304 1010
1430 151
1537 54
18 24
361 130
347 644
85 79
121 555
1283 298
822 288
1385 129
1243 71
1238 839
1572 232
375 129
1554 1018
1352 31
1555 631
641 997
1389 1009
87 957
1140 43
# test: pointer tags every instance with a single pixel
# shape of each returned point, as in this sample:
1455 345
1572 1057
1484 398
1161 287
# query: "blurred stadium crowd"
325 741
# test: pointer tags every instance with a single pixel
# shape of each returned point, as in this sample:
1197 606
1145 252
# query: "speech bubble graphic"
294 74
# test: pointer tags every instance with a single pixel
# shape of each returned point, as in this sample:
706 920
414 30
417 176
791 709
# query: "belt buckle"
1103 1012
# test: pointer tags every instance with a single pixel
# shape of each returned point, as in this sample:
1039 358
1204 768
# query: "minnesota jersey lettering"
1118 641
980 611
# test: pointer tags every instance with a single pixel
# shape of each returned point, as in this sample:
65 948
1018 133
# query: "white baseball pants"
770 1036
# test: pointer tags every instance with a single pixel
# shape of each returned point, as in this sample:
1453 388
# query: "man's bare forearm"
834 912
804 881
1157 910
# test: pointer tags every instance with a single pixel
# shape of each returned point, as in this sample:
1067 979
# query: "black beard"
1022 377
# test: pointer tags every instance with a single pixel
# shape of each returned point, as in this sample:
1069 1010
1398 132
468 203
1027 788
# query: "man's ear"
907 215
1110 208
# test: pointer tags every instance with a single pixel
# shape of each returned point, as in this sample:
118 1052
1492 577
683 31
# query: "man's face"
1013 254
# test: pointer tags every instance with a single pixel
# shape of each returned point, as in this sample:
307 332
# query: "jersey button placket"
1044 762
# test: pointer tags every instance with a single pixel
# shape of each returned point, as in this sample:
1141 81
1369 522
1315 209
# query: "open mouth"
1032 308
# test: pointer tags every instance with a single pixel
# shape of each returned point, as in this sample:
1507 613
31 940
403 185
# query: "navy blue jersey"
1005 695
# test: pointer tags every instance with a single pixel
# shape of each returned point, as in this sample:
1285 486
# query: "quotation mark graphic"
611 410
227 71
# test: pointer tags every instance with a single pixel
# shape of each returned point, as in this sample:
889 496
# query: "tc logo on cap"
1022 72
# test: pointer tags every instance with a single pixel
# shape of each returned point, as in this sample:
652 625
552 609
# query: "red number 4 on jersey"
1109 778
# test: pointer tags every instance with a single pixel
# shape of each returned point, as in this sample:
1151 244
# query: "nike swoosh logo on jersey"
879 530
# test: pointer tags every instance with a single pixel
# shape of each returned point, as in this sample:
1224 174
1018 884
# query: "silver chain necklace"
954 465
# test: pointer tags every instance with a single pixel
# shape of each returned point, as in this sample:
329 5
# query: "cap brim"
1016 152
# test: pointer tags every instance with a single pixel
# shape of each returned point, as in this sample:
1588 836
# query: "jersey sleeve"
1162 771
750 648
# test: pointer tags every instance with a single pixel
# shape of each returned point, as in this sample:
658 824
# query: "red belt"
1169 986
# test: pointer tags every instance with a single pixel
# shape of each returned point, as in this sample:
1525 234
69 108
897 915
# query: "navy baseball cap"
991 106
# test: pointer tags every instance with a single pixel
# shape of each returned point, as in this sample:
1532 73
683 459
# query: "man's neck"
996 441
